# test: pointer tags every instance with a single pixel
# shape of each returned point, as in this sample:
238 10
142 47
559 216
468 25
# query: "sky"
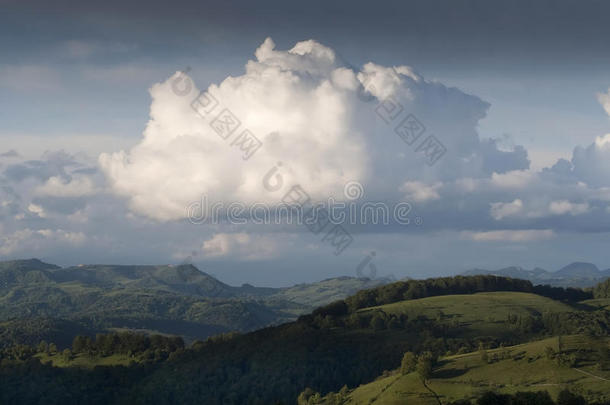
480 127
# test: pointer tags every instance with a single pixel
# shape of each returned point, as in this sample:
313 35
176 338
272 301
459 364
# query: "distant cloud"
604 100
567 207
527 235
29 78
536 209
10 154
77 186
420 192
37 210
80 49
514 179
120 74
501 210
24 241
239 246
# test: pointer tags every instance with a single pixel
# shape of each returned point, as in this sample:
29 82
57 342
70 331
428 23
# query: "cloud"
120 74
420 192
604 100
10 154
514 179
239 246
37 210
77 186
588 165
501 210
566 207
309 113
80 49
592 164
527 235
501 161
25 240
536 208
41 193
322 125
29 78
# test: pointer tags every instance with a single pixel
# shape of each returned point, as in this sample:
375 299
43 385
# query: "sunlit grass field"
468 376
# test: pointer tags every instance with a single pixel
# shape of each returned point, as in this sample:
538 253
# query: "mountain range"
165 299
577 274
39 300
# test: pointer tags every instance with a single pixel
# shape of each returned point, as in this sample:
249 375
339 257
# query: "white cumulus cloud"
308 112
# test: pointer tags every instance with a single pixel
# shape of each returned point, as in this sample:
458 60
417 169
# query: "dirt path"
591 375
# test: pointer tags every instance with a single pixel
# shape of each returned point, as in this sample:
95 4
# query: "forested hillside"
43 301
348 343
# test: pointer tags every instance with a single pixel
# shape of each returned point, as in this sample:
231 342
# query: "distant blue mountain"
577 274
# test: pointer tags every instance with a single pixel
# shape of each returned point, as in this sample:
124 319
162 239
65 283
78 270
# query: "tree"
549 353
535 398
566 360
67 354
424 370
604 357
483 353
408 364
377 322
504 352
491 398
43 347
80 344
567 398
305 395
424 367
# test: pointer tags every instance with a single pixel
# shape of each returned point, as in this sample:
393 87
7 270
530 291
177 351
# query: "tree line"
415 289
153 347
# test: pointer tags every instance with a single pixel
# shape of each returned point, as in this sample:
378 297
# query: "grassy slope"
467 376
326 291
481 313
86 361
599 303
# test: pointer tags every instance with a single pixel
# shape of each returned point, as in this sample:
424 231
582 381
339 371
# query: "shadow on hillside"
448 373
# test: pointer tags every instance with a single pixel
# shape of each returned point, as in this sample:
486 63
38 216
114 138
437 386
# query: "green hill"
525 367
480 314
349 343
323 292
165 299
